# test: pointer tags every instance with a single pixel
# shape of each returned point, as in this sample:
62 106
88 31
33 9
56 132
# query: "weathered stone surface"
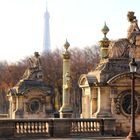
138 40
66 110
108 94
31 97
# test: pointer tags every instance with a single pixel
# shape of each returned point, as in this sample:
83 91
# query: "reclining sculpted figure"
122 48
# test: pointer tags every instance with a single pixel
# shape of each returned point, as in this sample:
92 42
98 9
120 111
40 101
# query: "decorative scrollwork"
123 103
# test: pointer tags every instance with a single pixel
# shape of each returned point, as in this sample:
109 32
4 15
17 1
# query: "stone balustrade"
53 127
87 127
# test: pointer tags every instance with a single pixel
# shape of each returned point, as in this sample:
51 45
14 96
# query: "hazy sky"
80 21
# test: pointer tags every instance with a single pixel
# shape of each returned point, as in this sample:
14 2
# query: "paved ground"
88 138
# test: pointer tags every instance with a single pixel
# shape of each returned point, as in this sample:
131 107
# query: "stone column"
86 103
66 109
104 105
19 102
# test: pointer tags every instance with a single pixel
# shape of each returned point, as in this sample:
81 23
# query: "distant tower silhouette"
46 44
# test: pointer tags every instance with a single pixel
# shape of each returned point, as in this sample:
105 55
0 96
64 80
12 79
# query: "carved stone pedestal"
66 112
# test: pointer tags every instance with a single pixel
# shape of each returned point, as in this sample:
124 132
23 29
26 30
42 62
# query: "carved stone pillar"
66 109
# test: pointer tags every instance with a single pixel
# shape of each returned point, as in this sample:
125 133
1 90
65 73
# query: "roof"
25 85
87 80
123 79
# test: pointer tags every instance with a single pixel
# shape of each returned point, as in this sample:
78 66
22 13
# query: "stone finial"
105 30
66 54
104 43
66 45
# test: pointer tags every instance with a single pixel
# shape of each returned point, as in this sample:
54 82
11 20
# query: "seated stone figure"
123 48
119 48
34 70
133 25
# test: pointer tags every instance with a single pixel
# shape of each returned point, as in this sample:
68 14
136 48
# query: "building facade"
106 91
31 97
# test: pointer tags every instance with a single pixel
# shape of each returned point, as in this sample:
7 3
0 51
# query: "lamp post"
132 134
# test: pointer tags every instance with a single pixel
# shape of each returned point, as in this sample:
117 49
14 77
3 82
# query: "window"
126 104
34 105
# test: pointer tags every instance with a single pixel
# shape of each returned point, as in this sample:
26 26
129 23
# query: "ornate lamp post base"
132 136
